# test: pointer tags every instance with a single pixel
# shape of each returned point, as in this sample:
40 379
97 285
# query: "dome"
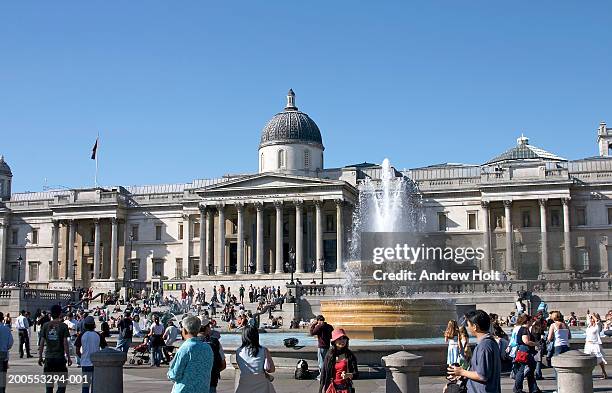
4 168
291 126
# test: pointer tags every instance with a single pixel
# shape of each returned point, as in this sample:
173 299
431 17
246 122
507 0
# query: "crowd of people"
533 341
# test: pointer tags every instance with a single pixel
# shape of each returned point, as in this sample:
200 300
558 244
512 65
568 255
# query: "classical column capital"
96 221
484 204
114 220
340 202
542 202
55 222
278 204
318 203
185 216
202 207
239 206
299 204
565 201
259 206
220 206
507 203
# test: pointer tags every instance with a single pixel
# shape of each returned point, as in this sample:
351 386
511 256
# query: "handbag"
522 356
454 387
332 389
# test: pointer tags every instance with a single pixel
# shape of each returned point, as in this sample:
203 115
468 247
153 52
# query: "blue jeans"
213 389
523 371
87 376
123 344
156 355
321 352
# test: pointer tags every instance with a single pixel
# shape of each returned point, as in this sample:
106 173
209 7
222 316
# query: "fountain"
392 206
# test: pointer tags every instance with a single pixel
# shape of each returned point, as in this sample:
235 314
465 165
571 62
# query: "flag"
94 150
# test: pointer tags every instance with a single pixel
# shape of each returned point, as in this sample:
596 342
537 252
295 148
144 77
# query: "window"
261 163
92 234
179 268
35 236
158 232
158 267
134 269
15 237
33 271
610 216
50 271
281 159
195 266
306 158
180 234
442 222
581 216
135 233
329 222
1 187
196 230
472 221
555 218
526 219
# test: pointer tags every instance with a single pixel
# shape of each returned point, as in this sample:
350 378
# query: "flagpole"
98 147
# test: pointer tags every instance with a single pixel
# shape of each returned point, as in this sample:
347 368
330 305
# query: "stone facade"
253 226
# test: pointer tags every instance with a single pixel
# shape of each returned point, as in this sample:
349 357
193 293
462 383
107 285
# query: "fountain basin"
389 318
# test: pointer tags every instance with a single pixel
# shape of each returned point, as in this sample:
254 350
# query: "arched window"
307 158
281 159
261 163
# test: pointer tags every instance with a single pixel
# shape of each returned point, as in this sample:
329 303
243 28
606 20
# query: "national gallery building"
538 215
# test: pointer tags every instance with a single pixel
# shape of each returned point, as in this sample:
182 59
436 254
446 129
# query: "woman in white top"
156 341
559 333
592 345
255 362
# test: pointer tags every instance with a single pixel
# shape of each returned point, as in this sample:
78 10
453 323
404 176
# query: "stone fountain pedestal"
403 370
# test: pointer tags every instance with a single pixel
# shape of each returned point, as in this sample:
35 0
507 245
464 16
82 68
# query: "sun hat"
338 333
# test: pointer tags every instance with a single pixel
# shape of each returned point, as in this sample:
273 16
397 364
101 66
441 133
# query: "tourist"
255 363
340 365
137 327
592 345
559 334
88 342
503 341
484 375
6 343
54 344
155 336
465 352
191 367
451 335
323 331
126 330
219 363
170 337
8 321
524 360
23 327
241 293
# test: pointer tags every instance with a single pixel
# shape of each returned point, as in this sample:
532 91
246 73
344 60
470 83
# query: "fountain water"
391 205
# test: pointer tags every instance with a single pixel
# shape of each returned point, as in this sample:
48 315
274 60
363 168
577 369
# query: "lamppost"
126 283
322 266
74 267
291 265
19 262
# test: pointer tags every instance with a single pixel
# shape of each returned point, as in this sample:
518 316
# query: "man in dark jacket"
323 331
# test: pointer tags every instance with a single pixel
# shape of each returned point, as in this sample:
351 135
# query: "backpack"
301 370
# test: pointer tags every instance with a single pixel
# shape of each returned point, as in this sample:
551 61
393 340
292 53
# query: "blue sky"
181 90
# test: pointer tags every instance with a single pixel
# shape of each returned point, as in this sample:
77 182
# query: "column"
259 260
96 249
279 237
508 213
486 236
203 241
319 236
209 241
299 235
55 255
544 236
71 231
127 252
339 236
3 231
186 236
240 239
221 240
567 239
113 251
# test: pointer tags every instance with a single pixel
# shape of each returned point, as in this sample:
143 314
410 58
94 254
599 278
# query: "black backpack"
301 370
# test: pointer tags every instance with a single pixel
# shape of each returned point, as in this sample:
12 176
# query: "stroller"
140 354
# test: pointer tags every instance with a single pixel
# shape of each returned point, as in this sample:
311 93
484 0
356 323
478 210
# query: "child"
450 337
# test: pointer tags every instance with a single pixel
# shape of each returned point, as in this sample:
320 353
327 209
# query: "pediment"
272 181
